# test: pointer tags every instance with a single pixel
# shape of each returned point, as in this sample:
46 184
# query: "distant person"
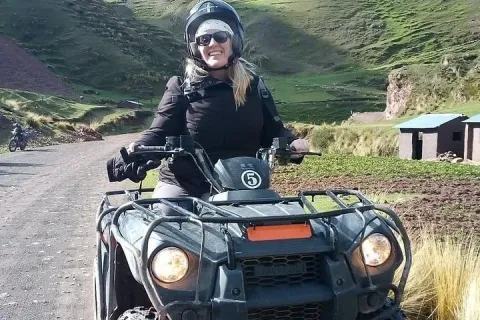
217 103
17 130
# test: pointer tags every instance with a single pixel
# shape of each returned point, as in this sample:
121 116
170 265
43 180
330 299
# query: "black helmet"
214 9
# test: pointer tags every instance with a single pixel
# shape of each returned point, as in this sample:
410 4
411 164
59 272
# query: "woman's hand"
299 145
131 147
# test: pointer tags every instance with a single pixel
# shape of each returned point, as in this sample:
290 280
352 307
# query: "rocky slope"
92 43
426 88
20 70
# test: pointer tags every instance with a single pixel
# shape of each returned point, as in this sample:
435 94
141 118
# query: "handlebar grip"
145 153
150 148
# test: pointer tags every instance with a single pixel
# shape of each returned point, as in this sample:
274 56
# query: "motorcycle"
19 140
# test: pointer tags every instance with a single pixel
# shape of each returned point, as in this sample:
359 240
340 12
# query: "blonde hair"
241 74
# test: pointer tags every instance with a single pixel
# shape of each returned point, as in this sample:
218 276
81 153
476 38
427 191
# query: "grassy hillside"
325 59
56 119
322 59
368 139
377 33
92 43
444 86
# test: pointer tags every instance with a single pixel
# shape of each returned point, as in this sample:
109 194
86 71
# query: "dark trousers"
166 190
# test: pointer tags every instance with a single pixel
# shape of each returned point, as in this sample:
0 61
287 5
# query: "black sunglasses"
219 36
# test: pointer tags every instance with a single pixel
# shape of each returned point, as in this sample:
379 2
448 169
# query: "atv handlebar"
280 151
184 146
150 156
174 146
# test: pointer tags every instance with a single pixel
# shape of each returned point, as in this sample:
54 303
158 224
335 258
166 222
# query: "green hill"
92 43
322 59
329 33
327 58
53 119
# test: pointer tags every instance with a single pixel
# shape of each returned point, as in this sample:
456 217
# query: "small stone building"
472 138
428 135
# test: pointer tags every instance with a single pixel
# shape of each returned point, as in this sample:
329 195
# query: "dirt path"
48 198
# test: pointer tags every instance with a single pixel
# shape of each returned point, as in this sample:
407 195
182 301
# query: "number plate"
279 232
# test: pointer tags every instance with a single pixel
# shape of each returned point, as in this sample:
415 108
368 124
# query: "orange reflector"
279 232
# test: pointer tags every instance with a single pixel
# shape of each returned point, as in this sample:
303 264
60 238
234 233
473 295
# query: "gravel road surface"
48 198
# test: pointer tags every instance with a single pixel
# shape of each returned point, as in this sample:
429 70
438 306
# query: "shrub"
444 280
64 125
322 137
347 139
36 121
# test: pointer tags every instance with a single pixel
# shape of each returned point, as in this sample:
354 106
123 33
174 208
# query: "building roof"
134 102
474 119
428 121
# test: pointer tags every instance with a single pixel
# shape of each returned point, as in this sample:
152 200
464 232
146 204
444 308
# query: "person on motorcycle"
17 130
217 103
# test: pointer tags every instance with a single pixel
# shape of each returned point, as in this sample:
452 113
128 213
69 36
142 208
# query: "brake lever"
308 153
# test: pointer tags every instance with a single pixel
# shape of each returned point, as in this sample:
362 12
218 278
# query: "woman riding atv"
218 103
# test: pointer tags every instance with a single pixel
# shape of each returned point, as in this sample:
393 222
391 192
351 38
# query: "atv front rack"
223 217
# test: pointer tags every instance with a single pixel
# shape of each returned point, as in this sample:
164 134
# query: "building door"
417 145
469 146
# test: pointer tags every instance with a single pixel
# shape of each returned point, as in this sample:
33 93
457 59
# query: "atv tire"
139 313
12 145
397 314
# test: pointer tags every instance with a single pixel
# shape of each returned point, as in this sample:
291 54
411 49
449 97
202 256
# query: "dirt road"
48 198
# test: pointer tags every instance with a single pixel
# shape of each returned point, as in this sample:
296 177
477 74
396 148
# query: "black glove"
118 170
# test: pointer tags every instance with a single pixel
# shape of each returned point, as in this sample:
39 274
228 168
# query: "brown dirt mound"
20 70
451 206
366 117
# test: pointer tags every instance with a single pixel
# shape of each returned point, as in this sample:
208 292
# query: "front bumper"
233 300
237 310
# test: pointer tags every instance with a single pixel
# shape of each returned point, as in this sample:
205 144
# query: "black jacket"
208 113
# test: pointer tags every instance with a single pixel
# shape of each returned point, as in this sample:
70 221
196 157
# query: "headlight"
170 265
376 249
